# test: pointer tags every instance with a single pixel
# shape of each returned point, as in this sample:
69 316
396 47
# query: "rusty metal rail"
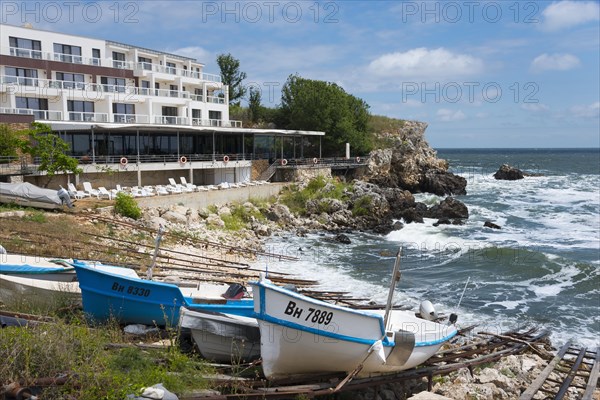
483 349
572 368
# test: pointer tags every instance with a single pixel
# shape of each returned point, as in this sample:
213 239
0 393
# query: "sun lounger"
104 193
87 187
190 187
77 194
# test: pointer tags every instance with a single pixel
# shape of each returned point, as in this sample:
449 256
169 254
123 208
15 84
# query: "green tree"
51 151
232 76
254 106
323 106
10 142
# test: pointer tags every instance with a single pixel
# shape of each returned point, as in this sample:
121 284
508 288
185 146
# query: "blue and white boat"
301 335
132 300
26 266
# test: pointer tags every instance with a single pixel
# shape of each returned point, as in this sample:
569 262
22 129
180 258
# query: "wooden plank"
565 386
539 381
593 380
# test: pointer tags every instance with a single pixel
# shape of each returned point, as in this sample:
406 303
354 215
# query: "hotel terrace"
141 114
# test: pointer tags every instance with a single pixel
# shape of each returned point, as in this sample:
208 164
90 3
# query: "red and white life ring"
183 160
225 159
123 161
315 160
284 162
357 159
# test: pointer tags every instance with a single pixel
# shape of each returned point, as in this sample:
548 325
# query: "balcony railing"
88 116
131 119
215 99
216 122
164 69
37 114
168 120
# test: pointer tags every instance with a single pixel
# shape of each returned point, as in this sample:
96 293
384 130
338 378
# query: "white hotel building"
134 110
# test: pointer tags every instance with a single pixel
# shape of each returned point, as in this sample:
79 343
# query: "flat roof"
74 126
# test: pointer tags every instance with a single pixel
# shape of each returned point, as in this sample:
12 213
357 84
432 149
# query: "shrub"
317 188
362 206
126 206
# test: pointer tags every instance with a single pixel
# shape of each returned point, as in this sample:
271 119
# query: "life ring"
357 159
284 162
183 160
315 160
225 159
123 161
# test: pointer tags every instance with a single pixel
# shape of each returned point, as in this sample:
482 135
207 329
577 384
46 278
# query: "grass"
240 217
318 188
362 206
96 370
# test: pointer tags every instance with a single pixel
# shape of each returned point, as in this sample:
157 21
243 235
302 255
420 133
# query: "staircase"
269 172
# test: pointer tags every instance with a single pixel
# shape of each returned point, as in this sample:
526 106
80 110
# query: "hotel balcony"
87 116
140 69
216 122
37 114
131 119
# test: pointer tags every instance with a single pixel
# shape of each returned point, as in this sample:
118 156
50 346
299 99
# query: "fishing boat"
301 335
132 300
36 282
221 337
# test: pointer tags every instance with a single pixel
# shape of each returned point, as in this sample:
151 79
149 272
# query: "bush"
126 206
317 188
362 206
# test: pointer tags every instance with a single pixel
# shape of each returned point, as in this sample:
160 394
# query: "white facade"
60 77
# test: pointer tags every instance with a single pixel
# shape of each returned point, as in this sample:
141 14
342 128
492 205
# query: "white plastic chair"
87 187
161 190
73 192
104 193
190 186
173 187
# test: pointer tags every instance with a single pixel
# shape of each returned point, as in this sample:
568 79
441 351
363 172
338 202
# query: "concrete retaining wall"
199 200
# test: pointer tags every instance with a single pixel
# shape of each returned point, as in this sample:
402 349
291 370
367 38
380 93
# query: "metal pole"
393 283
161 230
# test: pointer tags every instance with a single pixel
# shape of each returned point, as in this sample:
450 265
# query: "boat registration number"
311 315
132 290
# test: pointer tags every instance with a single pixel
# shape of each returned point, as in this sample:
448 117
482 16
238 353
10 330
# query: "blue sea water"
541 269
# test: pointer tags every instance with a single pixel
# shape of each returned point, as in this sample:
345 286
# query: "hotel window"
123 112
173 90
196 116
67 53
96 56
113 84
22 76
145 88
169 114
118 59
21 47
80 110
146 63
171 68
39 106
70 81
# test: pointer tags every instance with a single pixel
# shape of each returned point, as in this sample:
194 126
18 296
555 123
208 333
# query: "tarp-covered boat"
28 195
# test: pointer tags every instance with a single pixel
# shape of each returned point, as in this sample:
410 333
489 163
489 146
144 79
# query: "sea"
541 269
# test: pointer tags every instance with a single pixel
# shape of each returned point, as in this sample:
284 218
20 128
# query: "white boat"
27 195
27 266
301 335
223 338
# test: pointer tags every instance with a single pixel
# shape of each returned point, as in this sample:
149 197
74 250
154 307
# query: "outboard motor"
427 311
235 291
64 196
2 250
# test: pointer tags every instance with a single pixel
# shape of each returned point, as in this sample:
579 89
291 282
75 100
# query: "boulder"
280 213
490 224
442 221
492 375
155 223
175 217
443 183
341 238
410 215
215 220
204 212
224 210
508 173
448 208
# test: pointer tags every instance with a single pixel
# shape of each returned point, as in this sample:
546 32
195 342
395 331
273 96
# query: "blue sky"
481 73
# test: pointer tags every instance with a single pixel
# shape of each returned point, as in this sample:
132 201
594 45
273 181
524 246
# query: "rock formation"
411 164
508 173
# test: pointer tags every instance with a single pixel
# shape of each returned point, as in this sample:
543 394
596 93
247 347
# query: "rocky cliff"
411 164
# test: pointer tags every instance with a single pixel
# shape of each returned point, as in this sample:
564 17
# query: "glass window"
80 110
123 112
96 57
118 59
196 113
32 103
70 81
22 47
171 68
67 53
113 84
146 63
22 76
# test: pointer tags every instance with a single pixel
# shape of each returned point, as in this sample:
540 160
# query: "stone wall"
258 167
301 173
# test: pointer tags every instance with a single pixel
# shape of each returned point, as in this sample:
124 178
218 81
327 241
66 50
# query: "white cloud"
447 115
556 62
534 107
200 54
425 63
566 14
589 111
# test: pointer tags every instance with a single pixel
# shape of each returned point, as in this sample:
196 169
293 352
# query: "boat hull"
223 338
301 335
39 292
131 300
